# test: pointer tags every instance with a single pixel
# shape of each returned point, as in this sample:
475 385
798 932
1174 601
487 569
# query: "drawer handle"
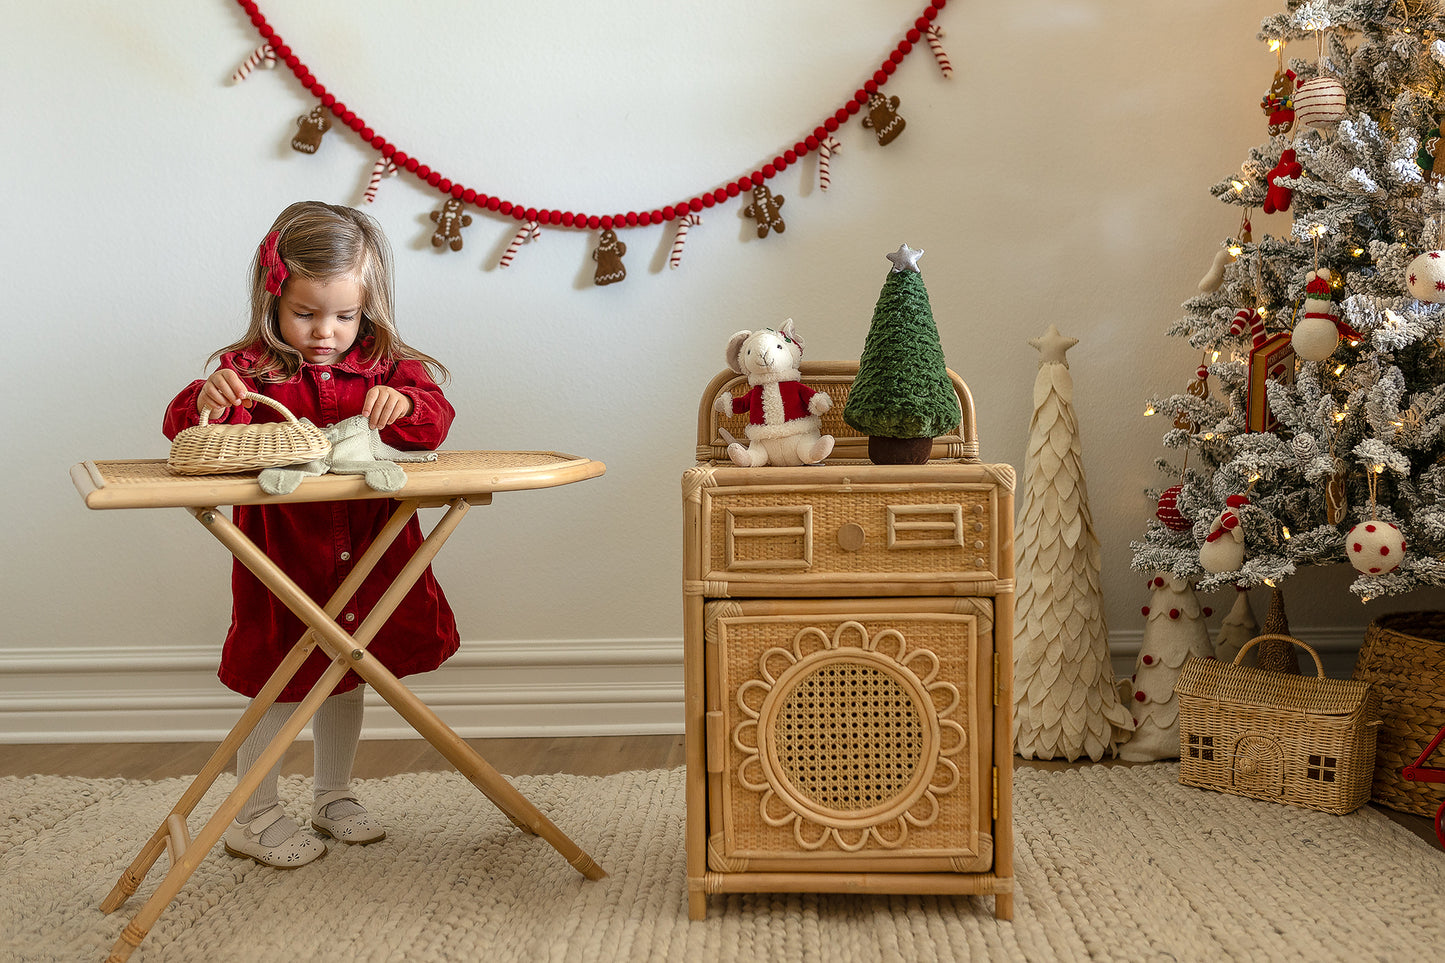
851 537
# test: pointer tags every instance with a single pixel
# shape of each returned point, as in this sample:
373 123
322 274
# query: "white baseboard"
546 687
1337 648
488 689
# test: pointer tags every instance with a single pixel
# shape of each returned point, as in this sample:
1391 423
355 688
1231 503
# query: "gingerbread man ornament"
1278 104
450 220
882 117
766 209
609 258
309 128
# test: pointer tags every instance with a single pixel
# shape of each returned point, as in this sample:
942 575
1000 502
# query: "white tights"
336 728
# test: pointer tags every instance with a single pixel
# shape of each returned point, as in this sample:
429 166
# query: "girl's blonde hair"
323 242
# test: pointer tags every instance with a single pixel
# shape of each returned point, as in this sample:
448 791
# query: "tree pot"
899 451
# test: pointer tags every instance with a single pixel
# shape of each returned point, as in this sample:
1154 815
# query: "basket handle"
1319 666
252 396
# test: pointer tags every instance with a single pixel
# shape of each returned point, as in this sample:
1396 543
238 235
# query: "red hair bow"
276 272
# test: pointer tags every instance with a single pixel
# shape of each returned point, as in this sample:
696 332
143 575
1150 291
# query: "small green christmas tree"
902 398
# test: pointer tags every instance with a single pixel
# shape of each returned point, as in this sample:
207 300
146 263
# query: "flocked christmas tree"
1323 439
902 397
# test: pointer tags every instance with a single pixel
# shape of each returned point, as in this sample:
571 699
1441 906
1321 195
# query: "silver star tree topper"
905 259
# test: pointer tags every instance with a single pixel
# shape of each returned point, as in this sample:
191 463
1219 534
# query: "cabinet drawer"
850 735
853 538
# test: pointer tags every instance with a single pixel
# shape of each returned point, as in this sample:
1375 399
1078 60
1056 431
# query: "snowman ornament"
1317 334
1223 548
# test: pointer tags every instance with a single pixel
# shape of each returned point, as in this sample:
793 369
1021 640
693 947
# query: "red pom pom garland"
393 160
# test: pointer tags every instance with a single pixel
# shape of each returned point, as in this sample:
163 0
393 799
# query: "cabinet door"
850 735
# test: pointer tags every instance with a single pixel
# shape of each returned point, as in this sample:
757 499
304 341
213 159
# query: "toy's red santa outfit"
773 406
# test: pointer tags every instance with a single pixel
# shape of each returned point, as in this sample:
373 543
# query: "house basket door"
1258 766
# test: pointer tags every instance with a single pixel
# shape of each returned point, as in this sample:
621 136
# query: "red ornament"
1278 196
1169 514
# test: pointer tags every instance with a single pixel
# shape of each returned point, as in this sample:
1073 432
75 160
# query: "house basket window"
1201 747
1322 768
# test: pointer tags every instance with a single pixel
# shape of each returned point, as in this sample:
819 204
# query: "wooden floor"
377 758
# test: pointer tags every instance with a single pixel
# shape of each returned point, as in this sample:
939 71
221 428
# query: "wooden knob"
851 537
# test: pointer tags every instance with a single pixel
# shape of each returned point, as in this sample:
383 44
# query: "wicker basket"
207 449
1403 656
1286 738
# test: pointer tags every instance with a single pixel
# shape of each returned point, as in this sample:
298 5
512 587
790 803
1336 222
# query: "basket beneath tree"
1297 739
1403 656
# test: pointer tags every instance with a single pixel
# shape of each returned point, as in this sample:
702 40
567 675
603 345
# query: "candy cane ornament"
382 168
935 35
1250 320
826 149
691 220
262 56
528 232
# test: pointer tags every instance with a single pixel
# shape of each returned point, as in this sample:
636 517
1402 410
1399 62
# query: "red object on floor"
1423 773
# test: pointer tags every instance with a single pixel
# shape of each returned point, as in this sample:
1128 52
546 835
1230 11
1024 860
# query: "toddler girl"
322 342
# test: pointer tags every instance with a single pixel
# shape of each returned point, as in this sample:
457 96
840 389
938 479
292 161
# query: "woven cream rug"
1114 863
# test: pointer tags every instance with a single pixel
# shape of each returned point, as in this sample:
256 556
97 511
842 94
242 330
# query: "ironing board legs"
348 654
131 879
478 771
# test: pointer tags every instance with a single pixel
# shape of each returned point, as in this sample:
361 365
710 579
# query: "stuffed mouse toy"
784 427
356 449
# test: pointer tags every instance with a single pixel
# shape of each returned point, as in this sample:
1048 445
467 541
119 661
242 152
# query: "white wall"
1061 176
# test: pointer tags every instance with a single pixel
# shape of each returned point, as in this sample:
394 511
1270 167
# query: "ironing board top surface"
150 483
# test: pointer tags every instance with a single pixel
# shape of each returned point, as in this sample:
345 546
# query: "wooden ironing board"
456 480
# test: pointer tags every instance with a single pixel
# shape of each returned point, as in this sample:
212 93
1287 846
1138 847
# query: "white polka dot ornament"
1375 547
1425 277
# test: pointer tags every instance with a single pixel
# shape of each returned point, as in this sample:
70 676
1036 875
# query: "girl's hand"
222 389
385 405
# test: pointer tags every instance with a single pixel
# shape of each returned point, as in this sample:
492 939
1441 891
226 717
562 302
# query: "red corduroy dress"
317 543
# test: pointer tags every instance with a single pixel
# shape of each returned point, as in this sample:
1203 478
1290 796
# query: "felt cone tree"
902 397
1066 703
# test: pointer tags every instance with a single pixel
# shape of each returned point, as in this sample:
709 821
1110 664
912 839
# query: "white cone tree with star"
1066 702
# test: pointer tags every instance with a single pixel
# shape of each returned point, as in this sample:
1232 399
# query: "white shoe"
244 841
359 828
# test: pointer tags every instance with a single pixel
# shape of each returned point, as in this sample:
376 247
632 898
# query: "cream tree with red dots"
1174 630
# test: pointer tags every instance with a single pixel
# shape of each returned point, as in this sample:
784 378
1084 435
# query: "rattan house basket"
1270 735
1403 657
208 449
